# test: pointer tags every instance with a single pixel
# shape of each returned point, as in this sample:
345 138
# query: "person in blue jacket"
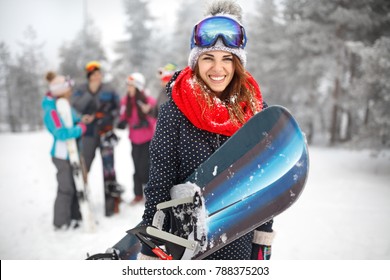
66 207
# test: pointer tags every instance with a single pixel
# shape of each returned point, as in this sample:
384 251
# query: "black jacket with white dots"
177 149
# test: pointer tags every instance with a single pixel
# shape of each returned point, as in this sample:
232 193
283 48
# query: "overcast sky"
57 21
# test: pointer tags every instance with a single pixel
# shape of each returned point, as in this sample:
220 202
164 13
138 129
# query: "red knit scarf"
189 98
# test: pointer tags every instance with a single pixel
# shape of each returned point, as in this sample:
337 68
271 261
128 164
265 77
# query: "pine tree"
26 85
265 41
85 47
134 54
327 68
5 67
188 14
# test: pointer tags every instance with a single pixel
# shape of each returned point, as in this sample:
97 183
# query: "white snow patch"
224 237
215 170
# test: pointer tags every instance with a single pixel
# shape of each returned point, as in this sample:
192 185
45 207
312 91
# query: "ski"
79 174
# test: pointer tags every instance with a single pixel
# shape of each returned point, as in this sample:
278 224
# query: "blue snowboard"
257 174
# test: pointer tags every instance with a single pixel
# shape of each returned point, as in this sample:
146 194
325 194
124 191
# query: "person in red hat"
165 75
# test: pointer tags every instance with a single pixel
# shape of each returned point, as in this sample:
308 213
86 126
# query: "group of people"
205 104
97 111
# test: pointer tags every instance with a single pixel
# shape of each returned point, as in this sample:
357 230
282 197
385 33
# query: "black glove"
141 124
122 124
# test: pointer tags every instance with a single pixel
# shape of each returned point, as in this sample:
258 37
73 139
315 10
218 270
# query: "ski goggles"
63 86
207 32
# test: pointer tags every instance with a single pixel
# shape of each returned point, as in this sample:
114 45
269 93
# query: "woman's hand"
145 107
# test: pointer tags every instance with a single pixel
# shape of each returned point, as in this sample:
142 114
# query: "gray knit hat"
227 8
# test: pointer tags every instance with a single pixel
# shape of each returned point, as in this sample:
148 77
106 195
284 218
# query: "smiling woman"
208 102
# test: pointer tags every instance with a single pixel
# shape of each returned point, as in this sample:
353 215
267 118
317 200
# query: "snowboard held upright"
108 140
79 175
112 190
256 175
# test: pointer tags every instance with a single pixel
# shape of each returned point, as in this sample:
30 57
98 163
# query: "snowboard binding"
185 217
110 254
109 139
113 188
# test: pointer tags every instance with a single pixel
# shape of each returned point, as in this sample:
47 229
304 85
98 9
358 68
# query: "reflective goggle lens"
207 32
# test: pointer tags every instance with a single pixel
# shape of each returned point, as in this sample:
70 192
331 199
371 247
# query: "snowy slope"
342 214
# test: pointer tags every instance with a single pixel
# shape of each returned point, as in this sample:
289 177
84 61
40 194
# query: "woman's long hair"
239 90
139 96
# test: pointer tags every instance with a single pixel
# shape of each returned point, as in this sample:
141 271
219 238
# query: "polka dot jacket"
176 150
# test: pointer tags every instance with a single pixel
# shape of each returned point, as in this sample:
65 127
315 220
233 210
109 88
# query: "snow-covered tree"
372 88
86 46
266 41
134 53
277 61
26 87
188 14
327 70
5 65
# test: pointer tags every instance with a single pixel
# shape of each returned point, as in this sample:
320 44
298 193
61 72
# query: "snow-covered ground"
342 214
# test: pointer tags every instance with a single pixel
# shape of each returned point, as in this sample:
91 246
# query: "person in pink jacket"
136 112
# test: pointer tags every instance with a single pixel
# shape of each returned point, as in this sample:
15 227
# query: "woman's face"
216 70
131 90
